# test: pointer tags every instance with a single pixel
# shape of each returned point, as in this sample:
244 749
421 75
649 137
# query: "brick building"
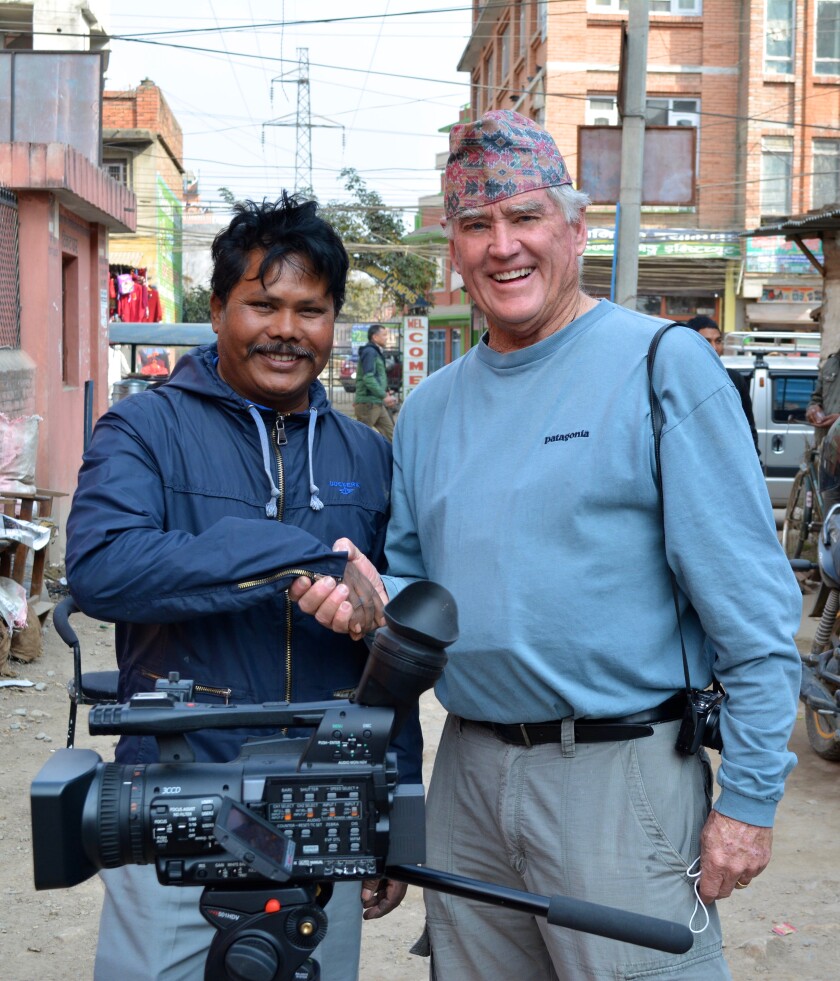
142 147
758 79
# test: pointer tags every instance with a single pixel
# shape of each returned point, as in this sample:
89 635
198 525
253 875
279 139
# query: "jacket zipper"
224 693
280 440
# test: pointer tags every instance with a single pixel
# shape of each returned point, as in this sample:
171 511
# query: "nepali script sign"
415 352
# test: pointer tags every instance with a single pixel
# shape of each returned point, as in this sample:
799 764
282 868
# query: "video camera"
268 834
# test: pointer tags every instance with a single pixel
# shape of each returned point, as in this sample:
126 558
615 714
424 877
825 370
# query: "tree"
197 305
367 222
363 300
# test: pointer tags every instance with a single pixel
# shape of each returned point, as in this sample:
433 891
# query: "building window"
523 26
504 53
825 184
542 18
489 80
602 110
440 273
672 112
70 320
688 8
827 61
778 37
116 169
776 172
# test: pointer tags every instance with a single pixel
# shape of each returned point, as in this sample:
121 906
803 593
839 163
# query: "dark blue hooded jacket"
188 524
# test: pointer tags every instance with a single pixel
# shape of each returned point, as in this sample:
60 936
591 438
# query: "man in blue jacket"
198 503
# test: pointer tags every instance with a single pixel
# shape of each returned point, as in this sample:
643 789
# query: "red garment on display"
154 312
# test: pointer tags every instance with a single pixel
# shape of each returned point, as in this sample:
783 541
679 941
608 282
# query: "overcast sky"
383 81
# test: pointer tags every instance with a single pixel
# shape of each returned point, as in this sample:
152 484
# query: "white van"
782 370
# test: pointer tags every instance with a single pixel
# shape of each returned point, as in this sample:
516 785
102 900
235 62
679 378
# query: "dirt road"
50 936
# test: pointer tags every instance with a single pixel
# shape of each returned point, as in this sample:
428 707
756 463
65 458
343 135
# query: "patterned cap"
497 156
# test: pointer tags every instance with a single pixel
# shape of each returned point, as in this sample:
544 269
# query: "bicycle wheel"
794 528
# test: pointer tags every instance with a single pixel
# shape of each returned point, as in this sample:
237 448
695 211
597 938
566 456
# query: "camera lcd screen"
255 841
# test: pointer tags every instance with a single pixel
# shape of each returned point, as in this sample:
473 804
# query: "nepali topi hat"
497 156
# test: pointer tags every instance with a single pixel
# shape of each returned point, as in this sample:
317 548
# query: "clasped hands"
353 606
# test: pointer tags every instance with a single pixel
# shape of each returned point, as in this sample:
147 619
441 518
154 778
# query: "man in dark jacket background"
198 503
708 328
373 401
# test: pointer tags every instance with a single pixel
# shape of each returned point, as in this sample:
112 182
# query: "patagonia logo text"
345 487
562 437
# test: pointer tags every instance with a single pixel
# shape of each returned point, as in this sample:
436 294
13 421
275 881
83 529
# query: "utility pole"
303 124
632 108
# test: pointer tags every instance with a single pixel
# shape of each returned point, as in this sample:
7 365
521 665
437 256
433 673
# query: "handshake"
354 604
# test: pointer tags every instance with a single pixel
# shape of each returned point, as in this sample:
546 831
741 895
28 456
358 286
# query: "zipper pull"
279 431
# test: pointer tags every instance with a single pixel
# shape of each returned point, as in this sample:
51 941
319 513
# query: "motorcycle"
820 686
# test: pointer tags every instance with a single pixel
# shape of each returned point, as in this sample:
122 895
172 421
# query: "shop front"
682 272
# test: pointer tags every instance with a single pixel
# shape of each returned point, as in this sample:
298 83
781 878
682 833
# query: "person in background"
373 401
198 503
824 408
525 483
708 328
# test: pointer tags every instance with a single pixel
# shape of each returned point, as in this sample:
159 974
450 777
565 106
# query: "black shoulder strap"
657 418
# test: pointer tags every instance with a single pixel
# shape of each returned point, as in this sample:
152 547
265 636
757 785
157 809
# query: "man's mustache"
280 348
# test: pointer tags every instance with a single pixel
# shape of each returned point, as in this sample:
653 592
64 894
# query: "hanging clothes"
154 310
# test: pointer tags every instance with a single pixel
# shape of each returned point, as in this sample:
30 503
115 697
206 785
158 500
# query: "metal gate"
9 271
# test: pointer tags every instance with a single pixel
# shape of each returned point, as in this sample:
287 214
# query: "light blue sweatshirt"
525 484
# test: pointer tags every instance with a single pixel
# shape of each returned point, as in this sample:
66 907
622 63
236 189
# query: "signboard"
358 337
773 254
668 177
405 293
790 294
678 242
415 352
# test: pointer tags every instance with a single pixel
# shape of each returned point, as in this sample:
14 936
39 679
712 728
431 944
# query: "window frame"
823 6
771 59
819 146
621 6
771 149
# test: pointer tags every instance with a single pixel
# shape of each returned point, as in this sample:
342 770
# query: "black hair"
702 322
374 329
288 230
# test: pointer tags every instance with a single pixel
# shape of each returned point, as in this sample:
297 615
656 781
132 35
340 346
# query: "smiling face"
274 339
519 262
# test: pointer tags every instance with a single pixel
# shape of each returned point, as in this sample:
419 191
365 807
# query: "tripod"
269 934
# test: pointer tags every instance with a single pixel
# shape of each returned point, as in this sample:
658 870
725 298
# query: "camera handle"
269 934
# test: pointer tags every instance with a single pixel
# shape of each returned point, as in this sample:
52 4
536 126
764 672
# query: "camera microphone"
408 655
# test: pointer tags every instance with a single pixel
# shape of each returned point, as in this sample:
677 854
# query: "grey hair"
570 201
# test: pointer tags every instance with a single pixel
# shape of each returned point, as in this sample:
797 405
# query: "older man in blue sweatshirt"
525 482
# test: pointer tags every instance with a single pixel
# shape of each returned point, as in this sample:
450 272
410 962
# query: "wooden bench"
14 555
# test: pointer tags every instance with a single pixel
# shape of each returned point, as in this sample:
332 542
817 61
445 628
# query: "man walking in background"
373 401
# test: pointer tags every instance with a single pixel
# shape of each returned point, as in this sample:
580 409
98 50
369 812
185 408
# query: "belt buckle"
525 737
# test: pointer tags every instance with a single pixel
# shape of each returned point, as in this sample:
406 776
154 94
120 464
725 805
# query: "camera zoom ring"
109 816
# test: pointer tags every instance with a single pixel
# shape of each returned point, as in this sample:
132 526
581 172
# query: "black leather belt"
634 726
